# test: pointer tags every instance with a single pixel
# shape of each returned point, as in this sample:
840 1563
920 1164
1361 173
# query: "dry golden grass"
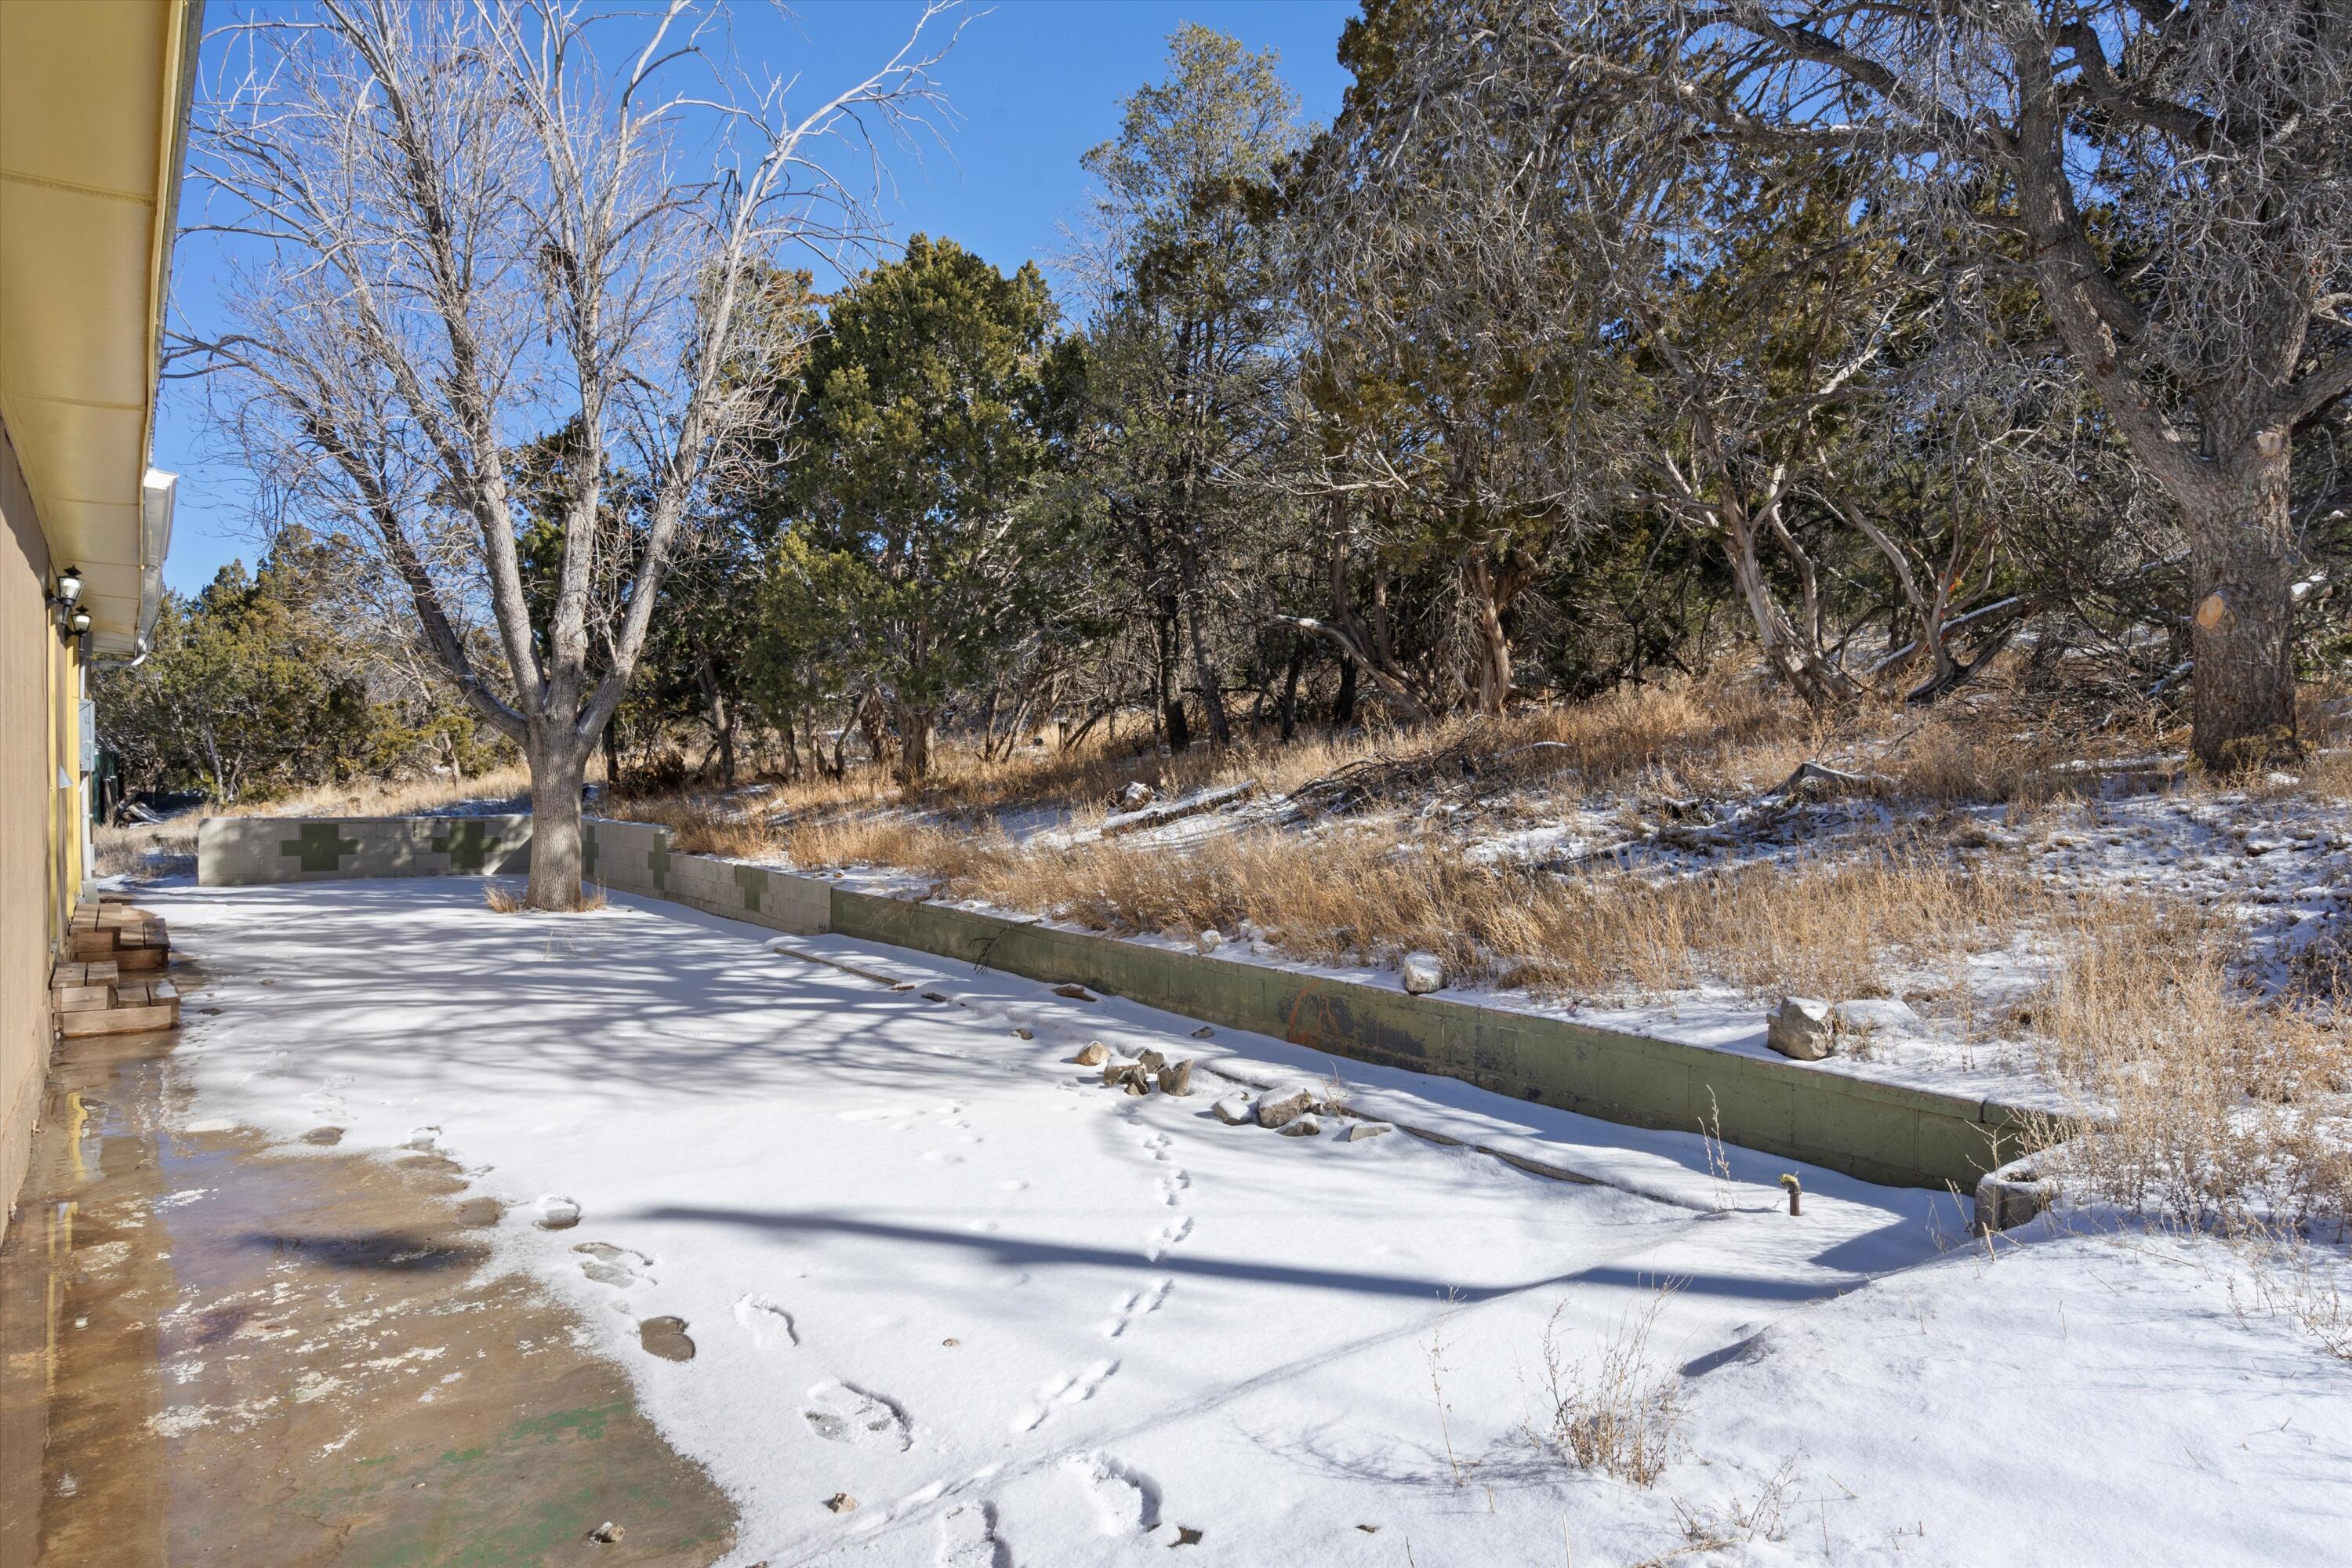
1830 928
507 901
699 827
146 848
2214 1106
382 797
1722 734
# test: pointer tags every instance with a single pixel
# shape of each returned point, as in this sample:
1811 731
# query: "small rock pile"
1140 1076
1294 1112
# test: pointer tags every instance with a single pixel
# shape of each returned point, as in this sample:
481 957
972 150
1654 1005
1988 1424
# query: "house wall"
41 857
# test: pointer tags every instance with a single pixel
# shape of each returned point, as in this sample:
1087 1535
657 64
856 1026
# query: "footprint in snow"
1166 1236
767 1322
1127 1501
842 1412
609 1264
1069 1388
968 1537
1134 1304
435 1175
1171 1187
665 1337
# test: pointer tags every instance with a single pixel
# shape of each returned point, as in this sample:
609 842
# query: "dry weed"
1613 1412
2214 1106
507 902
2290 1279
1435 1355
1765 1517
146 849
700 826
388 797
1818 928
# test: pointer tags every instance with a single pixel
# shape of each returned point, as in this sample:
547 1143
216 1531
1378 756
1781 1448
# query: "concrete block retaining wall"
636 858
232 849
1879 1131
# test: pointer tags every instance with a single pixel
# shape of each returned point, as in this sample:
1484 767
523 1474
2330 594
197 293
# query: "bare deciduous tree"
2173 177
454 231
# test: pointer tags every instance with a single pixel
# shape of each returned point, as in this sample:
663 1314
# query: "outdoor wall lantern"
72 619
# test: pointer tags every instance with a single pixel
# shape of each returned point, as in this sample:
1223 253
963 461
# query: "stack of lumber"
110 980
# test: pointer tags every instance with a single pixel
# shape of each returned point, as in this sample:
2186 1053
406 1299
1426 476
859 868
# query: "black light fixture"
79 622
69 587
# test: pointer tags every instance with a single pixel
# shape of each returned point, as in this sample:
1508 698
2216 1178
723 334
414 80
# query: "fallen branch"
783 951
1177 810
1810 771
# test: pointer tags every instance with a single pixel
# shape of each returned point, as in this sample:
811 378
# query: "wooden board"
118 1020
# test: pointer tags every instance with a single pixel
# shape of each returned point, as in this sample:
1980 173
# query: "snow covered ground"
925 1261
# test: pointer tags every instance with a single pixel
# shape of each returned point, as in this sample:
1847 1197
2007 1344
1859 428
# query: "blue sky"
1034 83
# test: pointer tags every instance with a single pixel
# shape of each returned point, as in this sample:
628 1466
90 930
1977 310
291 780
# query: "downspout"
156 491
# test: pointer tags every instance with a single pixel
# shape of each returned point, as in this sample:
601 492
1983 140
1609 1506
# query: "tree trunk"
790 735
1291 672
914 722
1205 675
1786 651
557 768
988 725
1178 732
1491 688
871 723
1343 705
2241 575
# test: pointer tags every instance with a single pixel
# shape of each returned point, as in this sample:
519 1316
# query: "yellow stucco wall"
41 823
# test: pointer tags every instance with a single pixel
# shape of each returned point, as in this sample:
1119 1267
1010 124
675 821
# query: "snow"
1025 1319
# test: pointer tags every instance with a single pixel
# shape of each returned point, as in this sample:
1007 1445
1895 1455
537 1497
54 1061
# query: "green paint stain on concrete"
755 882
586 1423
467 844
319 846
489 1507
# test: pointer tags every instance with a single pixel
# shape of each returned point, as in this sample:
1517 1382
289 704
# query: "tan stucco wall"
40 837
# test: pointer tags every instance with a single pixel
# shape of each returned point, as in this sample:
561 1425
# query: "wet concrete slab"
217 1351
